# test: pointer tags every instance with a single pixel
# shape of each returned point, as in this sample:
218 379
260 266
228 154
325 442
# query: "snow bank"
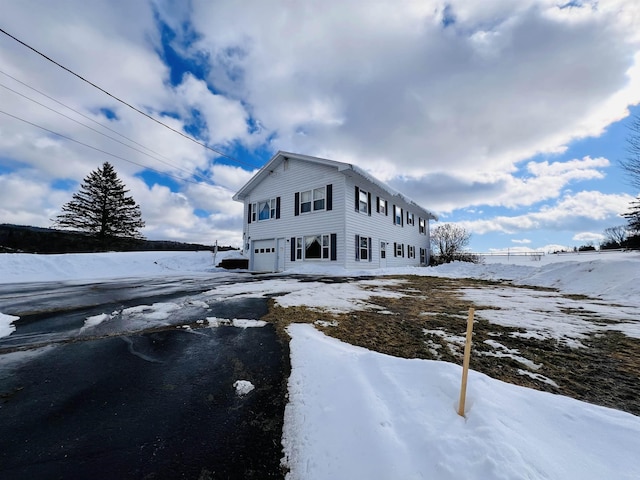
6 324
613 277
24 267
354 413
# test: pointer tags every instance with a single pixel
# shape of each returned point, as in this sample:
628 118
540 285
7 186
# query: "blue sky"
508 118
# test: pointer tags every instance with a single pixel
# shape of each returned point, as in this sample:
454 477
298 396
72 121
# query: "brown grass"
606 372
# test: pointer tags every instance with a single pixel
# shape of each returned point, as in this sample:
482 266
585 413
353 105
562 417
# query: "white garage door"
264 255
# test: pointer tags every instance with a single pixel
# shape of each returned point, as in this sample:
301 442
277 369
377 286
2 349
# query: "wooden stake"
465 364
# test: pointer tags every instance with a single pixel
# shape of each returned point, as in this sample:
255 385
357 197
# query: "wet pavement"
157 402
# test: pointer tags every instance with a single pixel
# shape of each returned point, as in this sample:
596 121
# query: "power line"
168 162
125 103
101 133
99 149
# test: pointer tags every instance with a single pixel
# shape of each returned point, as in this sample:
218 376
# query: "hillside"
27 239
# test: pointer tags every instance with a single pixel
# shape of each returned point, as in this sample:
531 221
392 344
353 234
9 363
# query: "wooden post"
465 364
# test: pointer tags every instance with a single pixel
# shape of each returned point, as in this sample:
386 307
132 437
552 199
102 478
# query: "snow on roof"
340 166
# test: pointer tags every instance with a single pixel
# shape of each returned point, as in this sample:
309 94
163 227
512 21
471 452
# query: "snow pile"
24 267
243 387
6 324
614 277
354 413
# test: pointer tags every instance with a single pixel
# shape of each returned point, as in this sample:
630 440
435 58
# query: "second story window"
264 210
305 201
410 219
313 200
397 215
382 206
363 201
318 198
422 226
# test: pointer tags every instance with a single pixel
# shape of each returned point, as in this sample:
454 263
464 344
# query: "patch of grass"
606 372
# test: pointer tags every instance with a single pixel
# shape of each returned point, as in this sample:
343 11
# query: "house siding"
284 179
380 227
298 176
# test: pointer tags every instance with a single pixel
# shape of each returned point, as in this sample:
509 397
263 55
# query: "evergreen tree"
102 207
633 216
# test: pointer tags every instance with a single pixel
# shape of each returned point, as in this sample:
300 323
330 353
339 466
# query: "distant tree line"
27 239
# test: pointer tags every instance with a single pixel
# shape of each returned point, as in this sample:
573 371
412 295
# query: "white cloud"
542 181
580 211
488 91
588 237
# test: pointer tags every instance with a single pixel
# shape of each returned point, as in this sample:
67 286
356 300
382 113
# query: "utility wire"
98 149
125 103
168 162
99 132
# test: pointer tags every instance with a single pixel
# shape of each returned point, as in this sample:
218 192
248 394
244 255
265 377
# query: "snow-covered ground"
354 413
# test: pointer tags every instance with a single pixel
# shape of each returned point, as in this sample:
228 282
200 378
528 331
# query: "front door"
383 254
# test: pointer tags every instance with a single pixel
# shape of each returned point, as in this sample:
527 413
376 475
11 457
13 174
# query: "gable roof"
345 168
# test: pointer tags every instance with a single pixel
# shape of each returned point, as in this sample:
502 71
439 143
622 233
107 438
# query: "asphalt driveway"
159 403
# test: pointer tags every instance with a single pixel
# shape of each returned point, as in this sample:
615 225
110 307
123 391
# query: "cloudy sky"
507 116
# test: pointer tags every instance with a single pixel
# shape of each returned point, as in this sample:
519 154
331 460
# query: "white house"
299 208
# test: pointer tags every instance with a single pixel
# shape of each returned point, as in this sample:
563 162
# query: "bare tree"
448 242
615 236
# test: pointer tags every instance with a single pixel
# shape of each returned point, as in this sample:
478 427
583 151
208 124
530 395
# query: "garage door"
264 255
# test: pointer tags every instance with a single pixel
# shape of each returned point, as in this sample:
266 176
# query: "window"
423 256
422 226
363 248
264 210
313 247
382 206
305 201
313 200
383 249
411 251
318 198
397 215
363 201
398 249
410 219
299 248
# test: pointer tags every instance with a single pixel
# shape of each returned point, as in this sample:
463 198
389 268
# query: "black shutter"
395 252
386 207
330 197
370 248
249 216
334 246
277 207
297 204
293 248
402 220
357 246
394 214
369 202
357 199
403 250
377 204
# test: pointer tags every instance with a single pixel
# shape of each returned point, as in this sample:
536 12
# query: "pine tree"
633 216
102 207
